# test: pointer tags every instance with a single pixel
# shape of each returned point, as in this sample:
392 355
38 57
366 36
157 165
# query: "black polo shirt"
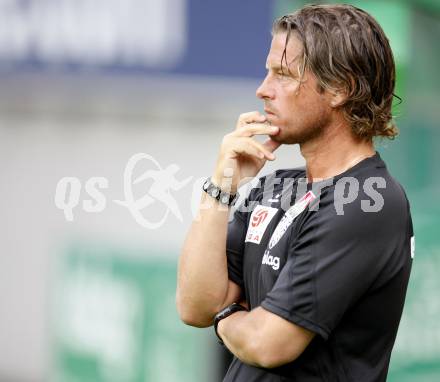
333 257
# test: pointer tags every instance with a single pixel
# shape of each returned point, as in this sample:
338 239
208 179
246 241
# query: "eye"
282 75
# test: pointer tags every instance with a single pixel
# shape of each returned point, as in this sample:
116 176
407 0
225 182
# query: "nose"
265 91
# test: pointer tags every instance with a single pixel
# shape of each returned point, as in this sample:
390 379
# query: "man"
320 257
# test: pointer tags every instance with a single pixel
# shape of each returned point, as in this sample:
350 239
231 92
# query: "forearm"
240 334
261 338
203 287
202 284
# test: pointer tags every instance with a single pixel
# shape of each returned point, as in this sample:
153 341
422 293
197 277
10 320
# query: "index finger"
250 117
257 129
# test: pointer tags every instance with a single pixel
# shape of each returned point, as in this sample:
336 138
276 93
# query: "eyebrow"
273 67
277 66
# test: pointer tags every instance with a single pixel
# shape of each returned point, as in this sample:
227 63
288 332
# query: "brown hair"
347 50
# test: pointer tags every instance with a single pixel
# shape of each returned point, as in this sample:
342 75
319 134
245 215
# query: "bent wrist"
224 179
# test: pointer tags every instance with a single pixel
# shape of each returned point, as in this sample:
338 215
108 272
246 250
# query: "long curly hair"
347 50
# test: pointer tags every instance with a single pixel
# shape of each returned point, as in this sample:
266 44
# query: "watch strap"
226 312
218 194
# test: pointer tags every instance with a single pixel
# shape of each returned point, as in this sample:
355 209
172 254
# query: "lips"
268 111
270 115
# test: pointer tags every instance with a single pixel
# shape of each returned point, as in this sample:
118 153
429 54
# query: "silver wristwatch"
217 193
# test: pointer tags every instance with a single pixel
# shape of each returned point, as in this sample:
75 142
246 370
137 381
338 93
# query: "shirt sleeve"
237 228
331 263
235 247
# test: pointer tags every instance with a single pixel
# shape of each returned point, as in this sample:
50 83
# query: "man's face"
299 109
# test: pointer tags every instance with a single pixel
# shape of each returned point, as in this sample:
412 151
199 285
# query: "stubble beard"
310 130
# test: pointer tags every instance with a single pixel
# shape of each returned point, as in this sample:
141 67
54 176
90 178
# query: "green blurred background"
85 86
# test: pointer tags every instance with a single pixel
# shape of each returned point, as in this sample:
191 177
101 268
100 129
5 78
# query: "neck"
335 151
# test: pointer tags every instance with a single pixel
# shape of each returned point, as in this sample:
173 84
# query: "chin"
289 137
284 135
286 141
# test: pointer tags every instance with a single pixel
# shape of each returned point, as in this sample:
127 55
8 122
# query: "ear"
337 97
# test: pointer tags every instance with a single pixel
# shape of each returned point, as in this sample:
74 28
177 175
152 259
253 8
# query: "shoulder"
368 205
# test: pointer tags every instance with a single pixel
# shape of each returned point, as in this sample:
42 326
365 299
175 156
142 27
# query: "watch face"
215 192
225 199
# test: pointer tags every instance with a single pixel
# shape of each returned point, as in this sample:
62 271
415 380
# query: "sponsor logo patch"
273 261
260 219
289 217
